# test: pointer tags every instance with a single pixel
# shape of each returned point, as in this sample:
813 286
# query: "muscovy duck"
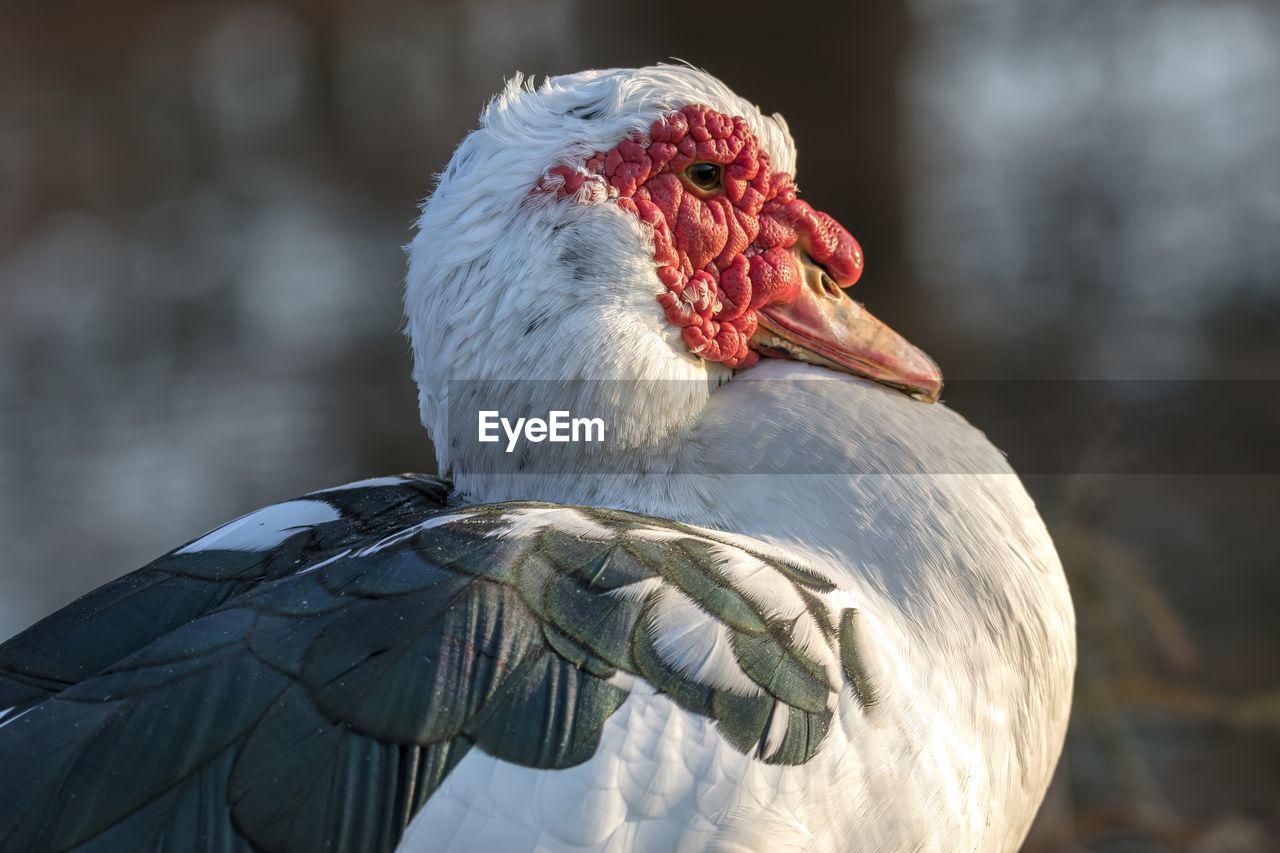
791 608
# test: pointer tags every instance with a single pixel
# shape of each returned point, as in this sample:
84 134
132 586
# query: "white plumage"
964 613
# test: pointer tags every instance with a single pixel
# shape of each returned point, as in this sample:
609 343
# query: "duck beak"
824 326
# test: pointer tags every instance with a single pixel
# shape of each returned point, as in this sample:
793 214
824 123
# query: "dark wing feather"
124 615
312 696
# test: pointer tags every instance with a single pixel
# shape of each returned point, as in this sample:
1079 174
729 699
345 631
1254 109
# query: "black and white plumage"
712 646
346 651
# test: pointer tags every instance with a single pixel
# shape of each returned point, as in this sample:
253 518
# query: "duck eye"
704 176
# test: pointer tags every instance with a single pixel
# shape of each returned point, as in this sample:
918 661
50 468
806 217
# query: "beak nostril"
830 288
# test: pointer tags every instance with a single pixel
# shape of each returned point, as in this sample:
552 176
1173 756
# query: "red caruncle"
723 251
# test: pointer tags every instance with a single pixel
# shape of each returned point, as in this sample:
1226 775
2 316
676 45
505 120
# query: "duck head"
634 224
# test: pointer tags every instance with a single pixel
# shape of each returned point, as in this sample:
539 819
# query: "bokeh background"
201 213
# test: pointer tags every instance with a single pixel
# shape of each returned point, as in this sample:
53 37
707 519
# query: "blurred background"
201 213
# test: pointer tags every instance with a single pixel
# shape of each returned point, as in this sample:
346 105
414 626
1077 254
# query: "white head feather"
508 284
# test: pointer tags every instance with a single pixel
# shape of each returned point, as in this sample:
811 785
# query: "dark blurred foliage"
201 208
